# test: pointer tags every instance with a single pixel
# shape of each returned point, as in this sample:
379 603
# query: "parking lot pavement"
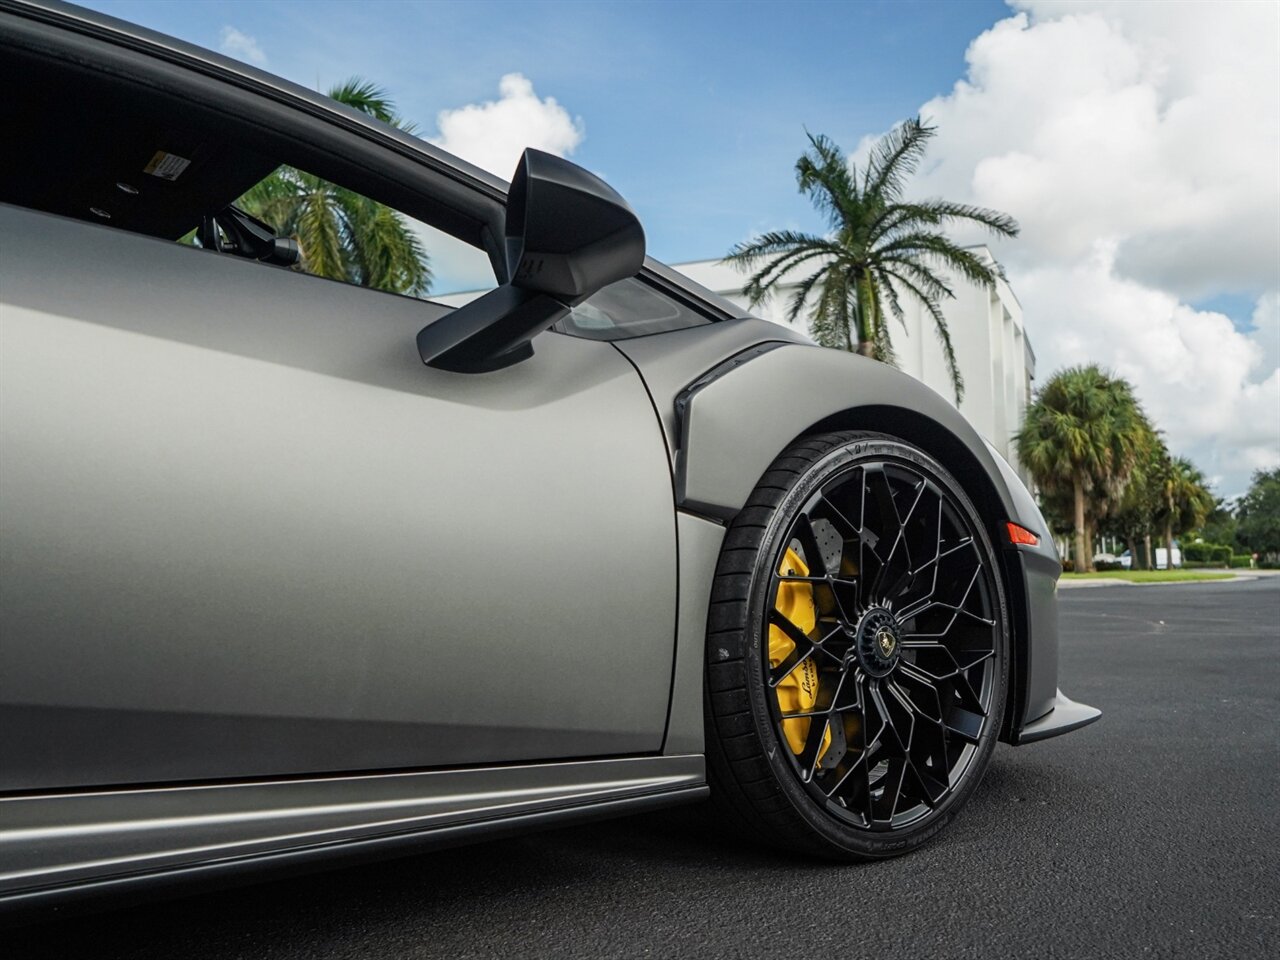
1153 832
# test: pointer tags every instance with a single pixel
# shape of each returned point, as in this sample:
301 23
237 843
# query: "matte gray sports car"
294 570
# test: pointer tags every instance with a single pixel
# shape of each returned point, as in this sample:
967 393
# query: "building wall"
992 350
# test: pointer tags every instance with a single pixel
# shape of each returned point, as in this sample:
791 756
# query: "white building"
992 349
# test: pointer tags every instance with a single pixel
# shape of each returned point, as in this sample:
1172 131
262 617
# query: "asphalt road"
1154 832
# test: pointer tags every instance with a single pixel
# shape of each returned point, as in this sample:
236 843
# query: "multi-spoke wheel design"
897 638
872 632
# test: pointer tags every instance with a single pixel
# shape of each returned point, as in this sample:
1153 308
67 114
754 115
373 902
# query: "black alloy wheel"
856 650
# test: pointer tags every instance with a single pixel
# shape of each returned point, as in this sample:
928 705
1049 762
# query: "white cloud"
1214 390
240 45
493 134
1139 147
1266 328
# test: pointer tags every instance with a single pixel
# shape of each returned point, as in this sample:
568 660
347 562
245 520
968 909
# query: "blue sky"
1138 144
694 111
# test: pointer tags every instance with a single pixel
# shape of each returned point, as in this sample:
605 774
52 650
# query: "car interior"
114 150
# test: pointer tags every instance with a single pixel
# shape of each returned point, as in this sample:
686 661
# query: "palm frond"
940 328
365 96
895 218
895 157
943 251
276 200
883 344
800 296
322 230
787 249
895 303
831 325
920 274
946 211
750 252
824 175
388 255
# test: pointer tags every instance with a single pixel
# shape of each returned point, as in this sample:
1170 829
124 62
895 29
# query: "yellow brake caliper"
799 691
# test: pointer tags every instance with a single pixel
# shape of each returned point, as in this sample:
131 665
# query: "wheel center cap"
879 642
886 641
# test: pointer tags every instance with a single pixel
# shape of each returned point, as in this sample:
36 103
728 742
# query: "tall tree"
1133 517
879 247
1186 501
1083 433
1259 513
1221 526
343 235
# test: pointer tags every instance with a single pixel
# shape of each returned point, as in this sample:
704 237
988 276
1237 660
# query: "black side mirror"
568 234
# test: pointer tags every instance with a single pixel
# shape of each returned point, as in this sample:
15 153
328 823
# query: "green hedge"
1241 560
1213 553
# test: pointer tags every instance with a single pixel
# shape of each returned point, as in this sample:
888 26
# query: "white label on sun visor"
166 166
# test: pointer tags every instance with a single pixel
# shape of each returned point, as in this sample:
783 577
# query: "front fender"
738 416
726 425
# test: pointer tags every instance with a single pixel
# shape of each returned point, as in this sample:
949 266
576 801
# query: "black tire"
881 650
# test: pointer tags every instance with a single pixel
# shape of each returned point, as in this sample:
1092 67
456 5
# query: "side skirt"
66 846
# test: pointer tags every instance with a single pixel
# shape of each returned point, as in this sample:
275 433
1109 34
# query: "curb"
1075 584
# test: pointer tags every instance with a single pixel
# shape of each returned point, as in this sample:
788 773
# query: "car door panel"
245 532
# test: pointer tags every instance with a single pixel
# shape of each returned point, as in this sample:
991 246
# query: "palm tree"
878 248
1083 433
1187 501
1134 515
343 235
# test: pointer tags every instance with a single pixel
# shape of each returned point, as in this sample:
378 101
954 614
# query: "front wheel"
856 651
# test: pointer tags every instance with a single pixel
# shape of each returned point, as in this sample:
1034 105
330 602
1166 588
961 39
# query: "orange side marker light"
1019 534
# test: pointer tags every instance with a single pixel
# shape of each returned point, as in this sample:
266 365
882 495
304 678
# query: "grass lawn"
1151 576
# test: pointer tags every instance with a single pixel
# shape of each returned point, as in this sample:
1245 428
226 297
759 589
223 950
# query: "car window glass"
628 308
133 157
342 235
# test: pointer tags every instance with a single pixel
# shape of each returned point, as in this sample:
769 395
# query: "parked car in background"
1162 558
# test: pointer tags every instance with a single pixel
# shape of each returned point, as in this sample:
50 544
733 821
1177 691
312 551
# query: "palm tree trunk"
1132 544
865 322
1082 563
1148 561
1088 540
1168 545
